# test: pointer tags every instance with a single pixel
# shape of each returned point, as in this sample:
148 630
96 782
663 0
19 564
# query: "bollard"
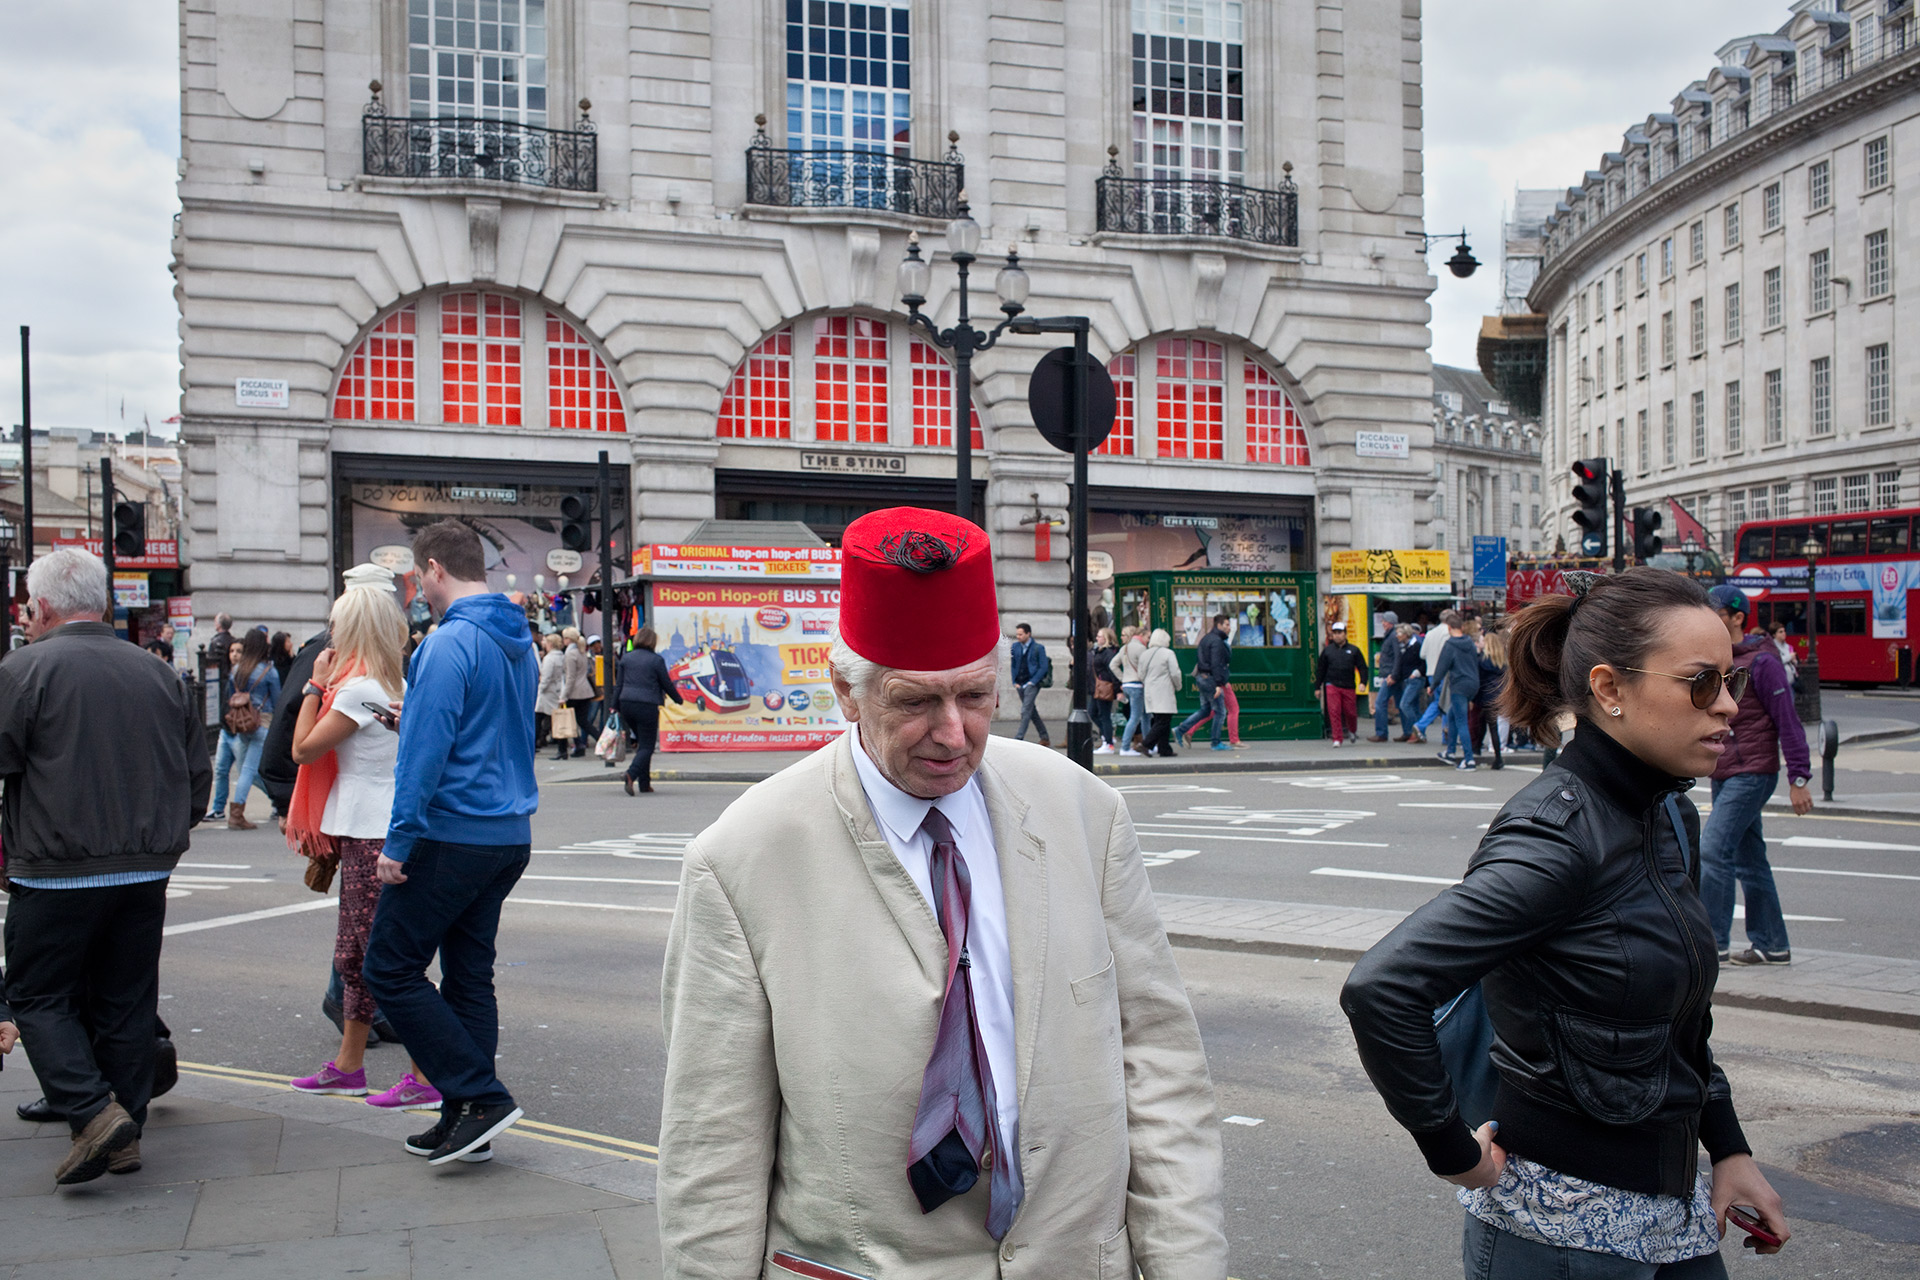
1829 748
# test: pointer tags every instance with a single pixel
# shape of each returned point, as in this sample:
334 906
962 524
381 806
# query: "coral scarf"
315 783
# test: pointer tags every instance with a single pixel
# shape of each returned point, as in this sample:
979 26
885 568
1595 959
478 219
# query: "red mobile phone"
1751 1225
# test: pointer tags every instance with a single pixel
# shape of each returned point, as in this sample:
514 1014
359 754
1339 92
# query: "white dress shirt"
899 816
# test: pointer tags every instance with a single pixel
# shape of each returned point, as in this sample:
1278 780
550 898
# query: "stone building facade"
1486 470
435 255
1724 306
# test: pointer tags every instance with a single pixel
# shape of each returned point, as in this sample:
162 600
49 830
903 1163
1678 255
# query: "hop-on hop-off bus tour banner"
751 662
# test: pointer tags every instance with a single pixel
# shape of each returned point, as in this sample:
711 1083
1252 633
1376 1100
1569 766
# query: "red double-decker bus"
1868 589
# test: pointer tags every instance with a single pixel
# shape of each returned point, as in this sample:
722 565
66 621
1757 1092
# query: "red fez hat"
916 590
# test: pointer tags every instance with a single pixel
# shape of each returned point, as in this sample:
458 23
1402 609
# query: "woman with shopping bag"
640 685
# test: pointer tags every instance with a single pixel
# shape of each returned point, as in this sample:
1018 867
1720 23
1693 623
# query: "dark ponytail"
1557 640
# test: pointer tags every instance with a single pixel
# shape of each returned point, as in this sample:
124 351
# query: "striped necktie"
956 1129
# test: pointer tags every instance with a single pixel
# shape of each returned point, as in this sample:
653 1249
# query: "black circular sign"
1048 392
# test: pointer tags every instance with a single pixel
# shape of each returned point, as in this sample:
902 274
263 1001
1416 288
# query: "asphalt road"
1323 1185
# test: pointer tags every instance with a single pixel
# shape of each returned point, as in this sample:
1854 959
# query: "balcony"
483 150
1199 207
840 178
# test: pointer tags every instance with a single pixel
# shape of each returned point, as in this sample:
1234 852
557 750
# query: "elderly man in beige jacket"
922 1019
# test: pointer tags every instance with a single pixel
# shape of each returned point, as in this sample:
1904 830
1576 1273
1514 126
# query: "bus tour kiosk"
1272 628
745 632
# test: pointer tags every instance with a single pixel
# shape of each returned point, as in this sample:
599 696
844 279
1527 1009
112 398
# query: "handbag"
321 864
609 738
1465 1030
1105 690
566 726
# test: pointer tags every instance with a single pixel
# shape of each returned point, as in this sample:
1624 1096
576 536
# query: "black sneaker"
1754 955
166 1067
425 1144
474 1126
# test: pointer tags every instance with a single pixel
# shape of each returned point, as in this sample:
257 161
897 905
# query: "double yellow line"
558 1135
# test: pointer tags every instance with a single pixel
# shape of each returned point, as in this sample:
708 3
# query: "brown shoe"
629 781
93 1147
237 818
126 1159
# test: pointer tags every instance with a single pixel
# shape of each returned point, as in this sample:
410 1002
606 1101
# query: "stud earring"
1613 711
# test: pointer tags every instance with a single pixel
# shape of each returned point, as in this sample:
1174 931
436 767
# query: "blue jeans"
450 903
1382 699
1136 713
1410 695
1102 713
1732 847
1436 709
1029 692
1211 704
247 751
1458 705
1488 1253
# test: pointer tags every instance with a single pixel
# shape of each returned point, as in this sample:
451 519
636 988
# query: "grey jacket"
103 756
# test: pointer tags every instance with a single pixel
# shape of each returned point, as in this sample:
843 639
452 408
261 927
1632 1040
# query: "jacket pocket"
1616 1071
1094 986
1116 1256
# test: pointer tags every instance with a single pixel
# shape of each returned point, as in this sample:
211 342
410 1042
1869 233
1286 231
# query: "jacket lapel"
1023 881
896 888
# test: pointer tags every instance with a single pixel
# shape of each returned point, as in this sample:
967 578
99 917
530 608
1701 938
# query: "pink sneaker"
331 1079
408 1093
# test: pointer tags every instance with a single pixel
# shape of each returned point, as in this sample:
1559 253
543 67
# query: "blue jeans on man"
450 902
1733 847
1459 704
1211 704
1410 694
1437 708
1382 700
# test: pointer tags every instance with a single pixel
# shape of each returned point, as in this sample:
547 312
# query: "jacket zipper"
1696 976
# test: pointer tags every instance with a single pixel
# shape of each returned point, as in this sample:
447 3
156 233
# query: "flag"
1685 526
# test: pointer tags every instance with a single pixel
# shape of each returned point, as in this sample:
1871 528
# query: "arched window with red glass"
503 362
1275 432
850 379
758 404
933 398
1191 409
1119 441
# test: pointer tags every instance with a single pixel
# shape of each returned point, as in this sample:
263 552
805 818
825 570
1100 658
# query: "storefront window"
933 398
580 391
1192 385
378 383
1274 430
480 359
1267 619
850 379
759 399
1119 441
1140 541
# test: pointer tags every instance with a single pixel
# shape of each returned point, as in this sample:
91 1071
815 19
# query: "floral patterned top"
1541 1204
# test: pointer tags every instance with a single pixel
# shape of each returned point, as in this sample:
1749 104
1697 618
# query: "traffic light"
576 522
1590 502
1646 534
129 529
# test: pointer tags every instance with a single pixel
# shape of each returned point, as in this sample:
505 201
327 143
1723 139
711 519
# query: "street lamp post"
916 275
7 533
1812 551
1691 549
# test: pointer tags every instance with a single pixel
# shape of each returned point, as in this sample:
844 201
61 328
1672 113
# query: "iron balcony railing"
488 150
841 178
1199 207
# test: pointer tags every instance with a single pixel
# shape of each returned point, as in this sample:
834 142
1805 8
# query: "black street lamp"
7 543
916 274
1812 551
1691 549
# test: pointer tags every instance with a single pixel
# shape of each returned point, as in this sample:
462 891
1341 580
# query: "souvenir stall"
1273 629
745 632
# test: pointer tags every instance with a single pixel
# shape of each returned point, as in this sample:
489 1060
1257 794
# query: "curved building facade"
1723 294
671 231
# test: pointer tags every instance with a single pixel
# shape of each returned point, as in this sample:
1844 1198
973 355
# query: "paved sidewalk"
1818 984
244 1178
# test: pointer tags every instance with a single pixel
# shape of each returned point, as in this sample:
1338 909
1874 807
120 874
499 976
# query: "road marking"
248 917
669 884
597 906
1859 875
1824 842
1380 875
1167 788
1430 804
206 881
1202 833
1162 859
1740 913
1375 782
217 866
1249 1121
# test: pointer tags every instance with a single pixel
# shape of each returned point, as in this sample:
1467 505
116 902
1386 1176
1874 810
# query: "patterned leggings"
359 895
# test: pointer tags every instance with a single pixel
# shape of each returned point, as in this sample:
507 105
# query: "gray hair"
862 674
1404 631
73 582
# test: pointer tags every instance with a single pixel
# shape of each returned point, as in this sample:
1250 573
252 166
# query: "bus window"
1889 536
1847 538
1843 617
1756 545
1786 541
1791 614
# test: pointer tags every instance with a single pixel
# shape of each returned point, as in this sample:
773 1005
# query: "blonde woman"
1484 714
553 689
345 745
1160 690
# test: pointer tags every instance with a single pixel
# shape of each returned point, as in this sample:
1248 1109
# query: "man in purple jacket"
1732 845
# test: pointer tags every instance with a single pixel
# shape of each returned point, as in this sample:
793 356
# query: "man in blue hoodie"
459 838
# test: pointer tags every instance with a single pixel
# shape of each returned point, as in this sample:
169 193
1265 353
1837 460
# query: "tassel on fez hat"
916 590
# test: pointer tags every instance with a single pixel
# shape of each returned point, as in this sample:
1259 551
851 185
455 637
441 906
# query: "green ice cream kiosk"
1274 633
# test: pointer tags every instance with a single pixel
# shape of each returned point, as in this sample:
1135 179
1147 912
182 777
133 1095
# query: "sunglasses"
1704 686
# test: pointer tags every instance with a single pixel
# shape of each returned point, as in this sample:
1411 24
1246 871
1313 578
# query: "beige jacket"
801 994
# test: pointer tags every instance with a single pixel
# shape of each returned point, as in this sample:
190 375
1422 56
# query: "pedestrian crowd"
921 1017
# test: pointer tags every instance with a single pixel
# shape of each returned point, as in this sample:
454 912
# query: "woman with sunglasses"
1580 919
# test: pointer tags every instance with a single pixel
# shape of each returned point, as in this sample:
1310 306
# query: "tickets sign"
162 553
765 564
750 662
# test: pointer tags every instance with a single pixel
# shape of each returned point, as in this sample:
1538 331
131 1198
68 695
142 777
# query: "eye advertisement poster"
751 664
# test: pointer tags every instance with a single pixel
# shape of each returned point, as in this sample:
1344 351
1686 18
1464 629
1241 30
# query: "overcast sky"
1518 93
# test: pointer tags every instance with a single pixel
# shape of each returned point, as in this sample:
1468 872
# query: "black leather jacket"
1581 918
